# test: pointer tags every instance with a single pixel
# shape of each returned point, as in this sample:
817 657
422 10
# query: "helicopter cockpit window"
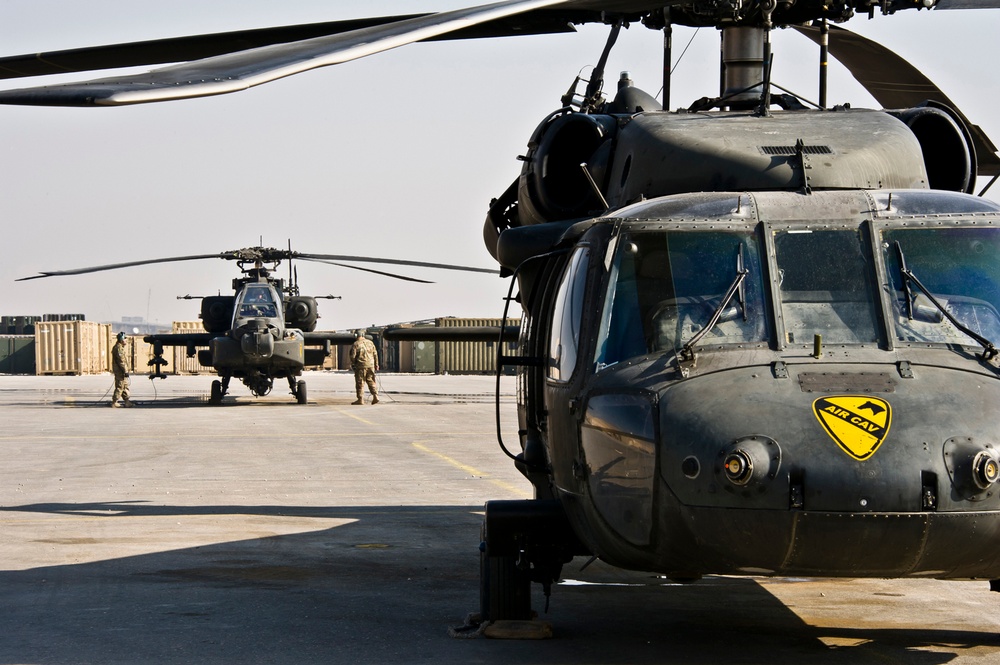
665 286
960 267
568 314
258 302
826 283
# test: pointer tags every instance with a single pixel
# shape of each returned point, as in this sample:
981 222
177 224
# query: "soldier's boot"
374 399
358 400
115 405
129 403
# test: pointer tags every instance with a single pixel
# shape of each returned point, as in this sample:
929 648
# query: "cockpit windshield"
689 290
665 287
825 278
959 267
258 302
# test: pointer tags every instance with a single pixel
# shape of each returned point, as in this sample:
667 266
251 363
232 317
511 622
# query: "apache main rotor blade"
233 72
897 84
115 266
327 258
967 4
377 272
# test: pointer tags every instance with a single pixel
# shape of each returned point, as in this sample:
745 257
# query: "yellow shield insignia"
858 423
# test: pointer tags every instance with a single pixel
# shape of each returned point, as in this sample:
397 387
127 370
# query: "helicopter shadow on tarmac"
383 585
201 401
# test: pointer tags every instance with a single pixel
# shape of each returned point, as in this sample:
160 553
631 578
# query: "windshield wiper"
989 350
736 288
741 293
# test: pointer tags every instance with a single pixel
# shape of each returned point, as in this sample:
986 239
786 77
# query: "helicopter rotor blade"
967 4
116 266
897 84
327 258
377 272
232 72
198 47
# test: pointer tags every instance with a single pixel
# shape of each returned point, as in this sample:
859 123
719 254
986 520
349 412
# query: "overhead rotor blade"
207 76
197 47
237 71
897 84
115 266
967 4
327 258
377 272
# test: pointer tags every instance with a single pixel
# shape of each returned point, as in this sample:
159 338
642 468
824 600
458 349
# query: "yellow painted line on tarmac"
472 471
355 416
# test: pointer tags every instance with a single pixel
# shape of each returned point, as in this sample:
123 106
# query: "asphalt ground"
262 531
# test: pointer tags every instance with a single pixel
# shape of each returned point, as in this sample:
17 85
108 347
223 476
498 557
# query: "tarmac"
262 531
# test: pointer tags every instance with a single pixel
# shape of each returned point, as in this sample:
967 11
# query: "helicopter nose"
258 344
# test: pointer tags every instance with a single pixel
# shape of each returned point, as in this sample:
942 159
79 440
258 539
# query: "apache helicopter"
755 340
262 332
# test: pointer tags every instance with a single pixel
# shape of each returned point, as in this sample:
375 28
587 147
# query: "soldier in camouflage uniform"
120 369
364 362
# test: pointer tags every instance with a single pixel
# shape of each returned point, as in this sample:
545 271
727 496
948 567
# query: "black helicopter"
266 330
757 338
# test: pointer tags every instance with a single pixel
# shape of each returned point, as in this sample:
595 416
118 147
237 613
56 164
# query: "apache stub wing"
320 338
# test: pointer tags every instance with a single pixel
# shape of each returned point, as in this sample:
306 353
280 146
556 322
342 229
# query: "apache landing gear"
219 390
522 542
298 389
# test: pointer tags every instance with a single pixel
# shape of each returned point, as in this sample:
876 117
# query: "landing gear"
504 588
219 390
522 542
298 389
216 396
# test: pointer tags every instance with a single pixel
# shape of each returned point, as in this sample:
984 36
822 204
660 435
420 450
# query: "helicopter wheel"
504 589
216 396
300 392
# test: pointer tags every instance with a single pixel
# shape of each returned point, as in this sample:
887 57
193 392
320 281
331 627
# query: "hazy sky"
395 155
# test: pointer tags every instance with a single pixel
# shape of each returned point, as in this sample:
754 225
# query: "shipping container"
138 354
72 347
405 356
17 354
182 364
423 358
469 357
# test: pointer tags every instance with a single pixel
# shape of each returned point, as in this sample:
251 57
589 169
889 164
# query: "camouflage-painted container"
17 354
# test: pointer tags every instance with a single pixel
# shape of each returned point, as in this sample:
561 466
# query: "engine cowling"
217 313
949 155
553 185
301 312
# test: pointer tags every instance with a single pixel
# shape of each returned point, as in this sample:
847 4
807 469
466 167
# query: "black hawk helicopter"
266 330
757 338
